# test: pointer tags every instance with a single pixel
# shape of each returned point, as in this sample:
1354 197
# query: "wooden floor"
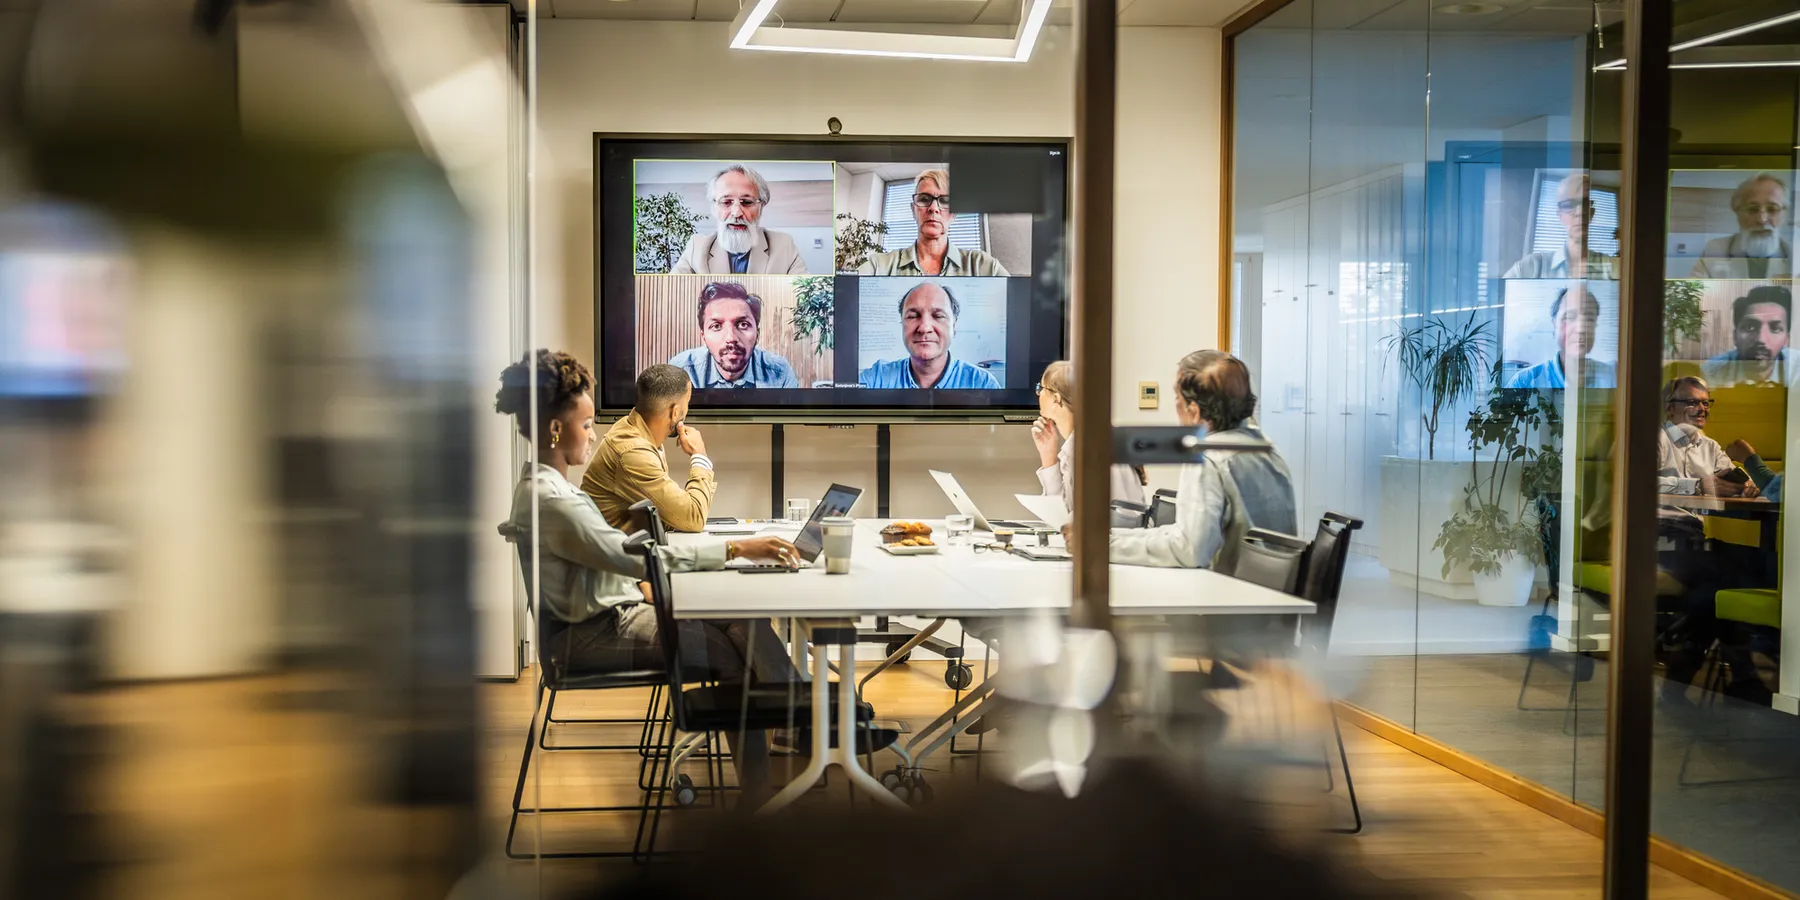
259 788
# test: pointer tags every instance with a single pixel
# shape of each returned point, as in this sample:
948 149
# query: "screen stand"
884 447
777 466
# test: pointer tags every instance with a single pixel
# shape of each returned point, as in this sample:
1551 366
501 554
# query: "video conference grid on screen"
786 274
1730 267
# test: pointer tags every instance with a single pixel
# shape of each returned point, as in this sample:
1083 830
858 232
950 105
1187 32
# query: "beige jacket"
630 466
1722 258
775 254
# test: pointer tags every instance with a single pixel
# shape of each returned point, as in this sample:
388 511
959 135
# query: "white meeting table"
954 582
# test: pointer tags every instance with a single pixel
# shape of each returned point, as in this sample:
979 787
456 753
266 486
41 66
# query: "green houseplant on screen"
1681 315
1514 460
813 307
664 227
856 239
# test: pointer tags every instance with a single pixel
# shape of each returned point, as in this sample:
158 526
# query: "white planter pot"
1511 586
1406 533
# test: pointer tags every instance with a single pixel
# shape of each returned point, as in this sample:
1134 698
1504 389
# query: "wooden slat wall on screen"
666 325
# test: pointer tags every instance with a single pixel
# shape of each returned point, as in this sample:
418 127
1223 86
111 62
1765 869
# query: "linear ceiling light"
1725 35
749 33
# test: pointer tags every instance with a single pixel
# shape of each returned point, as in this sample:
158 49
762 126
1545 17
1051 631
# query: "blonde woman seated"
1054 432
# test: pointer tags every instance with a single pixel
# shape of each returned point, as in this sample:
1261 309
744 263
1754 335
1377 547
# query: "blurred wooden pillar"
1091 319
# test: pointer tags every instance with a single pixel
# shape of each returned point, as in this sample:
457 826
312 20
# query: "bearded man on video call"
739 245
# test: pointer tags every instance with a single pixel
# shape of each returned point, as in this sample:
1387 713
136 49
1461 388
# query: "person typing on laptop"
1227 491
630 465
588 586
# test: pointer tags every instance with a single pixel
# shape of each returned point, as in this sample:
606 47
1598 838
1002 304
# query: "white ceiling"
896 12
1515 16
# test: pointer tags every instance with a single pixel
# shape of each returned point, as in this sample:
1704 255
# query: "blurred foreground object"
1135 831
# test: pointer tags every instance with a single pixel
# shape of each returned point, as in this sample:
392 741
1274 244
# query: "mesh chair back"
656 574
543 618
1272 559
1162 507
644 511
1329 555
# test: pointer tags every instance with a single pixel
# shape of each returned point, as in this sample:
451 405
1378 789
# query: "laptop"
960 499
810 542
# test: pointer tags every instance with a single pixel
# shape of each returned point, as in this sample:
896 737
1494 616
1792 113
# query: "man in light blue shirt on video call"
730 319
928 315
1575 326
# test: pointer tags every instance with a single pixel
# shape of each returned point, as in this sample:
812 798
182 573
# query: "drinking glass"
958 530
796 509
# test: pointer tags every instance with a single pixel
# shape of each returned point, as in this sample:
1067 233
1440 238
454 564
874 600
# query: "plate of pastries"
908 539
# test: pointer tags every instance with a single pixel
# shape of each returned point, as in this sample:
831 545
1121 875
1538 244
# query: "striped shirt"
766 370
897 374
957 261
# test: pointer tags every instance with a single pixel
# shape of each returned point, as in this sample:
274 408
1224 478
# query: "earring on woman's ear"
554 437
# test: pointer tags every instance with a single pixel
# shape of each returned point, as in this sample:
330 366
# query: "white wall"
678 77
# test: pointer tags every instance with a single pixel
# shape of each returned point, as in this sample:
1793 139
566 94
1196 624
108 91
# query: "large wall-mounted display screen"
812 276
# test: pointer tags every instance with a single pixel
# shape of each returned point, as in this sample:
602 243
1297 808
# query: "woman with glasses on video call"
1054 431
932 254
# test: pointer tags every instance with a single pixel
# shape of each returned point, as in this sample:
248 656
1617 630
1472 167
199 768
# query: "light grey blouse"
584 567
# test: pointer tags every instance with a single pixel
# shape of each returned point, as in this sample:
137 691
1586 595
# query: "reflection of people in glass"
932 254
739 245
1575 325
928 315
1689 462
1760 249
1760 333
1575 210
730 320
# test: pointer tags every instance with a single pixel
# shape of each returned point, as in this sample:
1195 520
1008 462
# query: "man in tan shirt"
630 466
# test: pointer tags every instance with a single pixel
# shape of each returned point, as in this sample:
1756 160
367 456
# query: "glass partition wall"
1428 200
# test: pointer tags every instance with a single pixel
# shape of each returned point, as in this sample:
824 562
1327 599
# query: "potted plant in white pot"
1444 362
1514 459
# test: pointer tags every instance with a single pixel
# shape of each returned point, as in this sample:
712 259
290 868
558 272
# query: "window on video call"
793 275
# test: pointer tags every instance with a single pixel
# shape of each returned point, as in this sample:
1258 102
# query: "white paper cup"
840 533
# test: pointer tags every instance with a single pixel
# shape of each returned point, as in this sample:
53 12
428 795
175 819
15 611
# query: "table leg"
823 754
821 738
846 749
796 637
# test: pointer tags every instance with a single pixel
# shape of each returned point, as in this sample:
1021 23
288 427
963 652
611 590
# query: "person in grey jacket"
589 591
1213 389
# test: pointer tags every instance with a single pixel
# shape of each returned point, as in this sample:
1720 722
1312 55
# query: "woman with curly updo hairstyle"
592 611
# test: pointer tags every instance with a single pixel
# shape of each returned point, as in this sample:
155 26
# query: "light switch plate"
1147 395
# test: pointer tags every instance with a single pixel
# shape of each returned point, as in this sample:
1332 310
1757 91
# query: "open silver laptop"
959 498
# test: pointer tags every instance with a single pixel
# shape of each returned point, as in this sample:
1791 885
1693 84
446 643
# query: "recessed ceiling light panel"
748 32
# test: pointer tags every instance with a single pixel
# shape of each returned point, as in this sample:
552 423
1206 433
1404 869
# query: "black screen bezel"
1044 294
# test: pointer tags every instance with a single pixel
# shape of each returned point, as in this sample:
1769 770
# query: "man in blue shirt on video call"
730 319
1575 323
928 315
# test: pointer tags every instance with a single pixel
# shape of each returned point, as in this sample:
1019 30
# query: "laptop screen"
837 502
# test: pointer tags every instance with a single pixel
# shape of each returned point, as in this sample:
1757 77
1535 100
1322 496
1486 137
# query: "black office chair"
1162 507
643 513
702 713
1272 559
1323 582
554 678
1126 514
